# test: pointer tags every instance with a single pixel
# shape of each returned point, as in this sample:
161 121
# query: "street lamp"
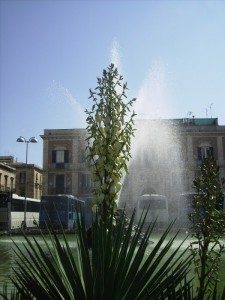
21 139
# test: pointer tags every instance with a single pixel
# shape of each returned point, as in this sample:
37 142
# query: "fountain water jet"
156 166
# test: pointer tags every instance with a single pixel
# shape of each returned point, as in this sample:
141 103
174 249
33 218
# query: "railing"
85 189
60 166
6 189
56 190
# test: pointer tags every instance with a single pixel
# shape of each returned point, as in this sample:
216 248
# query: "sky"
170 53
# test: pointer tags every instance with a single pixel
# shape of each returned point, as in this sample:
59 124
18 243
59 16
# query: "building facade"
19 184
64 166
166 155
7 178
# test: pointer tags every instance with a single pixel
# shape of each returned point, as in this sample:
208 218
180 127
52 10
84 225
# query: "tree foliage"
109 138
208 226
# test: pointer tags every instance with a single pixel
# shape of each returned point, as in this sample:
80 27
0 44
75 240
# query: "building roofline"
185 121
7 167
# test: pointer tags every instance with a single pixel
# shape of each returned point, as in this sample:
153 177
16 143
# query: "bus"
12 212
157 206
88 210
60 211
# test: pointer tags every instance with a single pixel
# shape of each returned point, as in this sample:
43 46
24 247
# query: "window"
204 152
59 184
4 199
85 180
83 155
86 183
6 179
22 177
152 204
34 206
60 156
17 205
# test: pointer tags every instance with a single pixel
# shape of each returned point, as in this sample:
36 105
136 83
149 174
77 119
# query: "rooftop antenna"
211 109
189 114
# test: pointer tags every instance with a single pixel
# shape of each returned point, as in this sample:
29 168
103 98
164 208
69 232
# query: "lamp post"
21 139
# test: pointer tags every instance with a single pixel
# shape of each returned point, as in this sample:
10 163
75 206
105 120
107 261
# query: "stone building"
21 170
166 155
7 178
64 167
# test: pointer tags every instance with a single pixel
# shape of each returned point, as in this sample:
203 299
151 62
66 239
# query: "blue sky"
171 53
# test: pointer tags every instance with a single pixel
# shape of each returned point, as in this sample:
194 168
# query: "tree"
208 225
109 138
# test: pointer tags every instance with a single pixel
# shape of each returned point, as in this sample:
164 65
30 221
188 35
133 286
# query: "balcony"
85 189
59 190
60 166
4 188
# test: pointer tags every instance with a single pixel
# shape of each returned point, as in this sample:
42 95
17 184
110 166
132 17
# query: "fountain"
156 166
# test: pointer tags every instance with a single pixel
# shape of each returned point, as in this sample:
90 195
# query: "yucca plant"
110 128
116 267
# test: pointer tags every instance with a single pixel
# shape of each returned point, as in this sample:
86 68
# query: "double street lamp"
21 139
